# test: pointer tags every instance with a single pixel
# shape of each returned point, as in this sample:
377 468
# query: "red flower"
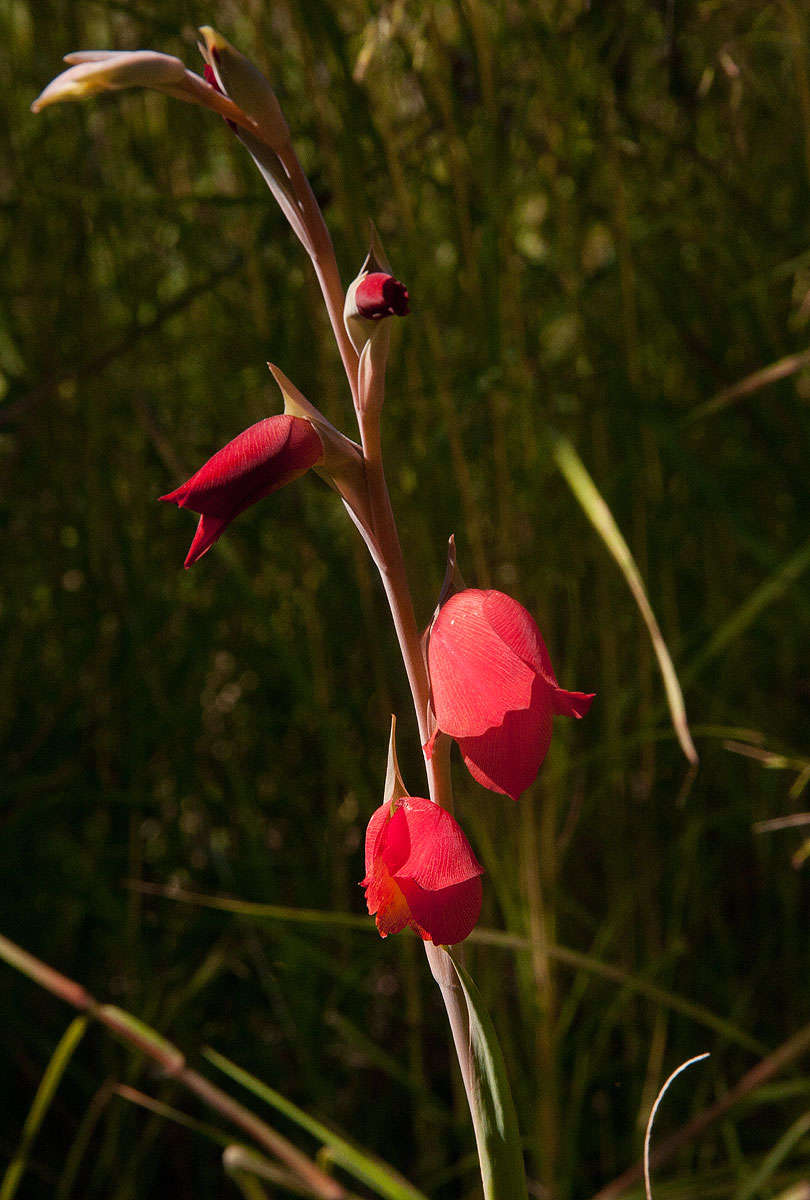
421 871
494 688
380 295
257 462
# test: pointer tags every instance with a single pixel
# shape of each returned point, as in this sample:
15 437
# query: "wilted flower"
421 871
493 688
257 462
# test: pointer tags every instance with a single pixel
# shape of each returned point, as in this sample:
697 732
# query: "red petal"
571 704
446 916
380 295
386 901
518 629
507 759
439 853
257 462
475 676
208 531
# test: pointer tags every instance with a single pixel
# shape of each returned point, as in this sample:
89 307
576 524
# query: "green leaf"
41 1103
496 1129
378 1175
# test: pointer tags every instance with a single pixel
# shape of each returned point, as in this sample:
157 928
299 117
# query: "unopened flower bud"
379 295
237 77
374 294
111 70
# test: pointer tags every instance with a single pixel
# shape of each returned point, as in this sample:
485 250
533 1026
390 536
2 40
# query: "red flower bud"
421 871
494 689
257 462
380 295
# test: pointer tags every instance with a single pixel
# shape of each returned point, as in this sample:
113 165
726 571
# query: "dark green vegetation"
602 218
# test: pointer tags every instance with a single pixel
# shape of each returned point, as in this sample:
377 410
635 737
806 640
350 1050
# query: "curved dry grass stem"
648 1132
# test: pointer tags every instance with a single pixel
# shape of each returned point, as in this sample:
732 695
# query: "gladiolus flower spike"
421 872
257 462
494 689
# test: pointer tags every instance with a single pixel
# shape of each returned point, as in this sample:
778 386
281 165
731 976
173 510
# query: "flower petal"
571 704
475 676
507 759
386 901
439 854
518 629
209 530
380 295
257 462
446 916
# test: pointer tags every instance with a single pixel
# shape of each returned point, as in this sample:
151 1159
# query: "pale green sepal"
493 1111
276 179
376 259
246 86
394 787
371 367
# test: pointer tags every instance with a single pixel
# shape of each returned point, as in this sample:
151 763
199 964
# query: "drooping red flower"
494 689
380 295
421 871
257 462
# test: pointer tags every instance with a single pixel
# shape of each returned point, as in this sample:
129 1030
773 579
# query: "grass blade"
596 510
41 1103
363 1166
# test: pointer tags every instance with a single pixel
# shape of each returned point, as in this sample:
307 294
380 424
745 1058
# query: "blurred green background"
602 215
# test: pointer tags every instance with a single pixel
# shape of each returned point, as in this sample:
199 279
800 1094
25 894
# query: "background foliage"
601 212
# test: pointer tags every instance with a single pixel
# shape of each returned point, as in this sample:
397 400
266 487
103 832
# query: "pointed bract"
421 872
238 78
260 460
493 688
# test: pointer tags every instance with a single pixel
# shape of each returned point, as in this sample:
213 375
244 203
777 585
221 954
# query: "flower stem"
392 571
324 261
